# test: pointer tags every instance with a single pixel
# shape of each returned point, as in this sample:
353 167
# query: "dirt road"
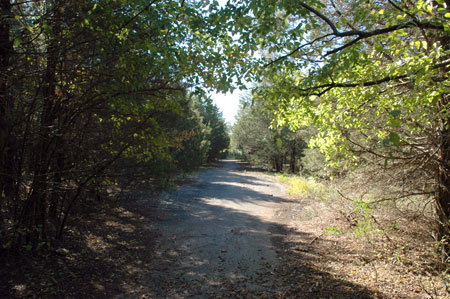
225 233
229 233
216 235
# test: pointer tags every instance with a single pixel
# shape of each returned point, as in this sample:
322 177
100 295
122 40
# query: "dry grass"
387 247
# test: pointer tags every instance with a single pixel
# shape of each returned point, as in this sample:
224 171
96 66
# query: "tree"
258 141
371 76
253 137
87 92
194 142
6 49
218 135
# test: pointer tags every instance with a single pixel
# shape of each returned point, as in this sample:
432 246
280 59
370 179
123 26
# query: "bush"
313 163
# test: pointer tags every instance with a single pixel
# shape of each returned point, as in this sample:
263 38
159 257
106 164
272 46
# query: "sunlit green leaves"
391 78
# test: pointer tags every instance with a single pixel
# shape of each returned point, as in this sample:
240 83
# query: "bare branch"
297 49
402 196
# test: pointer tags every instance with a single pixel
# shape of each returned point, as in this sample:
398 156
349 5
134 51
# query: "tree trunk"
292 158
277 163
5 99
35 214
443 178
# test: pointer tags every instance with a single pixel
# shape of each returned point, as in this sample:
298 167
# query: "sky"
228 104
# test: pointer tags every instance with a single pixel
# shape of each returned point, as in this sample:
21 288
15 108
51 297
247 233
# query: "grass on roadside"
301 186
391 236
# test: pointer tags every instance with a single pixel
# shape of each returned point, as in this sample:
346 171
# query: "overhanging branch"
365 34
357 34
324 88
297 49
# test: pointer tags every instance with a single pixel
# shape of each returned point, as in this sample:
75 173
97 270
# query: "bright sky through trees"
228 104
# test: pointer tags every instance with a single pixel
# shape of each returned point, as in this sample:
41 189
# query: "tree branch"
329 86
343 47
365 34
137 15
322 16
401 196
296 50
360 35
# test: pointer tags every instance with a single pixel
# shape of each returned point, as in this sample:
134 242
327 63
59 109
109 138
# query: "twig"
400 197
343 196
316 238
384 232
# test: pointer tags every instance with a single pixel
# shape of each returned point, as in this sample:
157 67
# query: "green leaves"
393 138
279 142
379 91
396 113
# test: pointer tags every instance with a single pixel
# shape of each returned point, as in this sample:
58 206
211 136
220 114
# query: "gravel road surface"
215 235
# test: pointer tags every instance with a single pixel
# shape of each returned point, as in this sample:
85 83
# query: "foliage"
93 96
372 77
194 141
364 223
252 136
301 186
259 142
313 163
218 135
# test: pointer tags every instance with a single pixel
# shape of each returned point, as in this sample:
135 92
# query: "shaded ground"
226 233
101 255
388 248
221 237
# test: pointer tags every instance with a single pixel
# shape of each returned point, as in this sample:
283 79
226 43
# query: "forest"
90 100
100 97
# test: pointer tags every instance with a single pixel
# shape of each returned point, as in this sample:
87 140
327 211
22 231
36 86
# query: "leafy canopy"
368 74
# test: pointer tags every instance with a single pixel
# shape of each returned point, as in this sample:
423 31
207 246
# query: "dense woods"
370 77
104 95
95 96
254 139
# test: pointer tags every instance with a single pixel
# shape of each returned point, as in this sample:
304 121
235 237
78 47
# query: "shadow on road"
217 242
209 267
198 242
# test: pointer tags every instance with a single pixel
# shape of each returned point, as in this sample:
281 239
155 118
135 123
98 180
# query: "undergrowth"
389 232
301 186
